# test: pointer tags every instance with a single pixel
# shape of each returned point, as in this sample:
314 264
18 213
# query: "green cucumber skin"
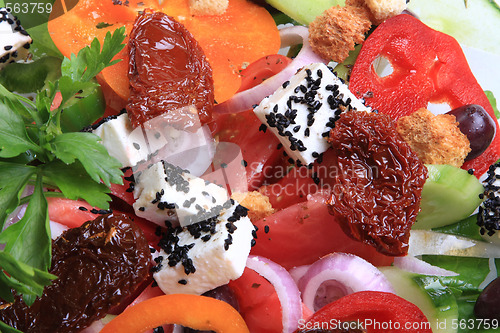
436 301
304 11
474 23
450 194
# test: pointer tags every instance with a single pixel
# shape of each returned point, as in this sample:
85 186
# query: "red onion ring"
415 265
298 272
344 273
245 100
288 294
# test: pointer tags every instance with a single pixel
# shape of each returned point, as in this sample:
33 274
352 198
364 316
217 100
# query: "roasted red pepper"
428 67
368 311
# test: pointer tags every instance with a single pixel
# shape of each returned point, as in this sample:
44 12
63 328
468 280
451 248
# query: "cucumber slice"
436 301
473 23
450 194
304 11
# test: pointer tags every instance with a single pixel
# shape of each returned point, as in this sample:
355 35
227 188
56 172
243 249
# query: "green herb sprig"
35 151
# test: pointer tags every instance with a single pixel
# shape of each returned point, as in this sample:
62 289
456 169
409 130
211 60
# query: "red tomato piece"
259 149
262 69
304 232
371 312
124 191
428 67
71 213
258 302
293 188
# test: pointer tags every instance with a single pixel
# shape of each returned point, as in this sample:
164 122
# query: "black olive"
477 125
488 303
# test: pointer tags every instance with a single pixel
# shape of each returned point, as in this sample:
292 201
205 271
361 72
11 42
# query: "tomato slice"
293 188
259 149
371 312
71 213
258 302
304 232
262 69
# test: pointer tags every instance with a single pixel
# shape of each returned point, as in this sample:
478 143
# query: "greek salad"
249 166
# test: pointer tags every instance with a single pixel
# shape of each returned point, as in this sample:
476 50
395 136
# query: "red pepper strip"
197 312
370 311
428 66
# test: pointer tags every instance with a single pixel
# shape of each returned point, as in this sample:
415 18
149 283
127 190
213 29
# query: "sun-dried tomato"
378 186
167 70
98 265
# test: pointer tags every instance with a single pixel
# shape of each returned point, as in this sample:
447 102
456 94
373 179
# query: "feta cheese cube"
14 40
123 142
165 192
302 112
205 255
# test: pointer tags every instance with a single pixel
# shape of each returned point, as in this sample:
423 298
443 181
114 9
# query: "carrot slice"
198 312
245 33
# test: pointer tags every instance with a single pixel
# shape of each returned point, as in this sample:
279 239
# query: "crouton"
335 32
257 203
435 139
384 9
208 7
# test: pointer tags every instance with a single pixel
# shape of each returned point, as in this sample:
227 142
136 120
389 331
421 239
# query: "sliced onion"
56 229
298 272
415 265
288 293
244 100
337 275
431 242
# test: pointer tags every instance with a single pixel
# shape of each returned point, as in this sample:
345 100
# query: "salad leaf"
467 227
466 286
35 23
7 329
94 157
13 133
92 60
13 179
75 183
32 229
35 151
30 77
493 102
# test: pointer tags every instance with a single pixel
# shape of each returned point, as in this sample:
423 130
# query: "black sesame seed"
182 281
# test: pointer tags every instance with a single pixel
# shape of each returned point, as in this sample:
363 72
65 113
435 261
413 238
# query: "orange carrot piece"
198 312
245 33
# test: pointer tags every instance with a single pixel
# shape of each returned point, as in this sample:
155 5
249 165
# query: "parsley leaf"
29 240
75 183
35 152
13 178
92 60
7 329
13 136
94 157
